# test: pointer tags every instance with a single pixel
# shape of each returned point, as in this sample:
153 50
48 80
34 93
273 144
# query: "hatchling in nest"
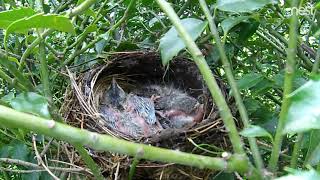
129 114
175 108
147 110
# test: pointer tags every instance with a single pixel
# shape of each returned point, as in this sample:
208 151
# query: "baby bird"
129 114
176 108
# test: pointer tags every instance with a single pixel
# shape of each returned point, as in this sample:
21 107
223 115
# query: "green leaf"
19 151
8 17
249 80
255 131
304 111
52 21
126 46
252 105
241 5
171 44
230 22
8 98
314 158
15 150
312 142
317 6
305 175
33 103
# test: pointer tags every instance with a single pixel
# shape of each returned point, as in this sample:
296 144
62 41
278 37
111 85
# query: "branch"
207 75
233 84
287 89
14 119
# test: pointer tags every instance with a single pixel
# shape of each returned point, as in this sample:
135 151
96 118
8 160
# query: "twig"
37 167
46 148
116 174
40 159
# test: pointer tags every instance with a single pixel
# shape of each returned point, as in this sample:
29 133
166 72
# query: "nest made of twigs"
135 69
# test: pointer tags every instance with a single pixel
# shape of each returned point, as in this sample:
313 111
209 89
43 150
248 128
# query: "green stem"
46 85
89 161
276 46
11 81
296 150
14 119
44 70
4 61
97 39
76 11
316 64
81 8
207 75
233 84
133 167
184 7
56 53
288 81
31 46
300 52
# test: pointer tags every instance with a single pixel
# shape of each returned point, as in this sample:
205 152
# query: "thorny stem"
13 119
233 84
207 75
288 80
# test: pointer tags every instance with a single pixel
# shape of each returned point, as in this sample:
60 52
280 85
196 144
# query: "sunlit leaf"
317 6
305 175
8 17
304 111
52 21
171 44
255 131
242 5
31 102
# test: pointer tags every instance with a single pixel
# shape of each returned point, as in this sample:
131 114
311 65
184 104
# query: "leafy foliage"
171 44
255 36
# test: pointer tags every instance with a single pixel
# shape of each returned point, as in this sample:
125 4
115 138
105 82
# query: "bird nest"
132 71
